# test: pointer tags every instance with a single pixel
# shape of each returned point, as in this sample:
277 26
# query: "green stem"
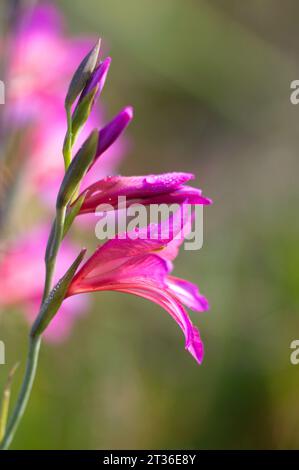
25 392
67 148
52 249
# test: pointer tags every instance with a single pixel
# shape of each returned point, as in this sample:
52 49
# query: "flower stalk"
20 407
67 148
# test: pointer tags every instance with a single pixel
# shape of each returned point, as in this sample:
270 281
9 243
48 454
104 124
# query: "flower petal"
163 298
187 293
98 78
152 189
100 273
111 132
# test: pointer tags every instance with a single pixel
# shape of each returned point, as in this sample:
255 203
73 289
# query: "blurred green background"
210 84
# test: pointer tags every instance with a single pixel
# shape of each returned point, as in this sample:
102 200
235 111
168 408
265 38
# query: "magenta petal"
145 268
161 297
119 261
98 78
165 188
127 256
196 347
110 133
115 253
187 293
184 194
137 266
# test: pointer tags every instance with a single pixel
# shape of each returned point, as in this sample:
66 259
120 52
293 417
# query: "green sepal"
55 298
82 112
72 213
77 169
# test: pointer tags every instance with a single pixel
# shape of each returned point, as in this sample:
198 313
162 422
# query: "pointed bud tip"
82 74
107 61
83 252
97 46
94 53
129 111
102 70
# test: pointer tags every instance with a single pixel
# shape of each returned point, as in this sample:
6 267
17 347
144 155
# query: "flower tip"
197 353
79 258
129 112
204 304
107 61
97 46
104 67
82 74
209 201
95 52
83 253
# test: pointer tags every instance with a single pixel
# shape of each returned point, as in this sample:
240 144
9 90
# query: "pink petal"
124 269
143 189
161 297
187 293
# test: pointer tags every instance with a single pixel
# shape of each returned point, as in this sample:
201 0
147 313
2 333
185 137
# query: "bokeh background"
210 84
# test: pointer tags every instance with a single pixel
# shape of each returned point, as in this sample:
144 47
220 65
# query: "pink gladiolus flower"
141 267
22 274
166 188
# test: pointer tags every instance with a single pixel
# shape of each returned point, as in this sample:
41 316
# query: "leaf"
55 298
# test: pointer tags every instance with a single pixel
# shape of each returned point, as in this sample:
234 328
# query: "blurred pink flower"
22 274
41 64
42 60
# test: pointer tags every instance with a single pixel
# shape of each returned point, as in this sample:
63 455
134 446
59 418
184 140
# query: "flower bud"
81 114
82 75
97 79
110 133
77 170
